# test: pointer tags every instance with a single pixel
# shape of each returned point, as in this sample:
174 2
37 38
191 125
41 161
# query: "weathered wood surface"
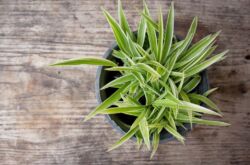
42 108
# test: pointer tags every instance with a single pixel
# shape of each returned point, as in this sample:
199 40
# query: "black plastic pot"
103 77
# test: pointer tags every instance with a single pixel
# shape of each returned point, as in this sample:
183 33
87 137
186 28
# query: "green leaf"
148 94
207 54
169 95
197 60
190 35
205 100
155 144
199 67
148 69
148 89
123 21
132 100
169 33
173 87
119 80
139 141
142 51
170 120
119 55
188 87
87 60
135 110
109 101
160 36
185 106
175 46
156 64
126 137
151 33
174 133
208 92
143 125
188 39
194 53
193 107
138 77
139 118
142 31
159 115
184 45
185 97
181 83
132 47
125 57
119 34
121 68
177 74
149 20
183 118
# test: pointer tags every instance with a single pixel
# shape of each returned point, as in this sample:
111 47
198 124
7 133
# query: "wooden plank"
42 108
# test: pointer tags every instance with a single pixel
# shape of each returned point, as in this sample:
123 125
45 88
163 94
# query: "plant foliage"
165 73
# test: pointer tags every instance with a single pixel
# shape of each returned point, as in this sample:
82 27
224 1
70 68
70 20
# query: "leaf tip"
52 64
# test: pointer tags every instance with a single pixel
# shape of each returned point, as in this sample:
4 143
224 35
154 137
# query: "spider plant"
162 70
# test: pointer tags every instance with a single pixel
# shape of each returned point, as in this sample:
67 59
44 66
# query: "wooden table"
42 108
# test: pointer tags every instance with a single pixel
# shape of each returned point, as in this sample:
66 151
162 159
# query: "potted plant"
152 84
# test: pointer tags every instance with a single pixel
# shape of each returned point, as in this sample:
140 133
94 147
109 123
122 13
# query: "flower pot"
103 77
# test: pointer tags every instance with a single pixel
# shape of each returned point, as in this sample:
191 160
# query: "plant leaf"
199 67
142 31
174 133
173 87
160 36
135 110
121 68
181 83
123 21
150 89
159 115
208 92
188 87
132 47
151 33
185 97
172 60
143 125
148 69
149 20
193 54
109 101
205 100
139 118
170 120
119 80
119 55
123 139
183 118
205 54
185 106
86 60
139 141
142 51
155 144
119 34
169 33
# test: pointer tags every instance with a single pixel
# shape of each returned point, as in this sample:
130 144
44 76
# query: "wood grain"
42 108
